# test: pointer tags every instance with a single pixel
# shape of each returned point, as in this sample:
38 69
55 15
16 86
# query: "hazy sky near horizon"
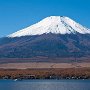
18 14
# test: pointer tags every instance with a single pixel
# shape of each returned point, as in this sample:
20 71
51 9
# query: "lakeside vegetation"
70 73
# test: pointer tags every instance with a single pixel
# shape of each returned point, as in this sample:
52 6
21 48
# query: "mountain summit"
52 24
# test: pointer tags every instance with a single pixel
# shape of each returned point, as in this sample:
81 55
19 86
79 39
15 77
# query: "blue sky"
18 14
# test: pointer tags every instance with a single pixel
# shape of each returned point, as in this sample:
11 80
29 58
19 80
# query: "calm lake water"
45 85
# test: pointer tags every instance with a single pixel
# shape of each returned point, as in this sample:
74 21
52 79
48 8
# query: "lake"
45 85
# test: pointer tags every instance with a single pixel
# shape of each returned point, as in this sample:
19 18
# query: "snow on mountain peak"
52 24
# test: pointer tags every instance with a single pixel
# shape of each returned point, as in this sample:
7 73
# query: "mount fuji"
53 37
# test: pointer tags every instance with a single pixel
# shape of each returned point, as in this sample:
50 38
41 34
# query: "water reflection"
45 85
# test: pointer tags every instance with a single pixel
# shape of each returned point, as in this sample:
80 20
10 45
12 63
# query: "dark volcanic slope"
46 45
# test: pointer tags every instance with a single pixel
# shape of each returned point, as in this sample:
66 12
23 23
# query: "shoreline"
60 73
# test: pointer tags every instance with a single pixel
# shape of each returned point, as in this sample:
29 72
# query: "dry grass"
46 65
46 72
45 69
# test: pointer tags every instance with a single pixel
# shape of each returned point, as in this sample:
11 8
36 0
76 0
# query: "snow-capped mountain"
53 24
53 37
